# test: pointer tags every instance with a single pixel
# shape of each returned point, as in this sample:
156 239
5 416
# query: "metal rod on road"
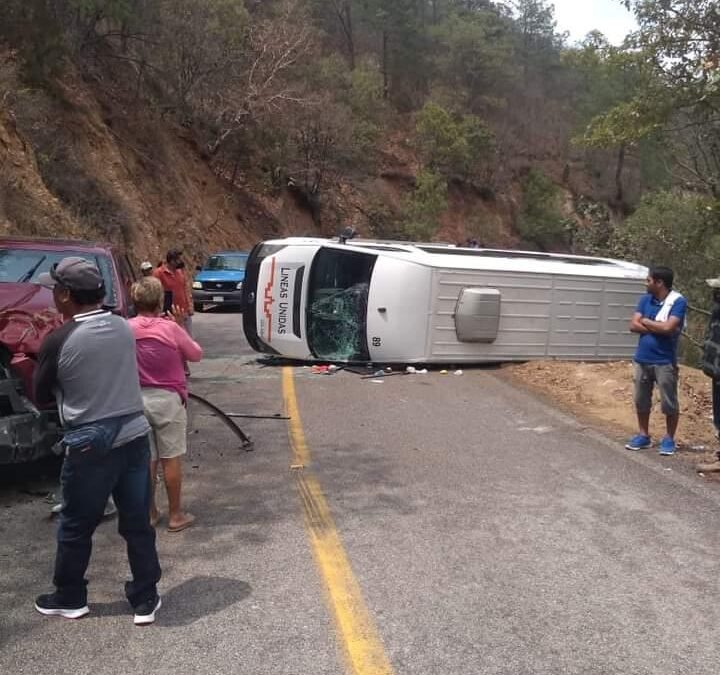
276 416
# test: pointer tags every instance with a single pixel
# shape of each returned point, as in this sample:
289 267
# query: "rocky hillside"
74 163
79 158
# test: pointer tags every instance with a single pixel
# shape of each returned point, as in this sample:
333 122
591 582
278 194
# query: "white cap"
146 266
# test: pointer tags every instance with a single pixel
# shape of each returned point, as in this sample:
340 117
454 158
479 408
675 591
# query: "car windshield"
226 262
337 305
19 265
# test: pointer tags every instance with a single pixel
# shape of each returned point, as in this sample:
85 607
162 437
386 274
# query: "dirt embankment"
602 394
78 161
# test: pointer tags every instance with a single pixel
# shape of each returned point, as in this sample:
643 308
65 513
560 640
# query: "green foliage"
426 205
450 144
474 57
675 229
541 220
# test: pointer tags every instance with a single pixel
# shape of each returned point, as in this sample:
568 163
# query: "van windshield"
337 305
226 262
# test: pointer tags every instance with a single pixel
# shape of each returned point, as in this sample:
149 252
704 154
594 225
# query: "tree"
609 79
427 203
261 83
191 66
541 220
453 145
474 57
678 44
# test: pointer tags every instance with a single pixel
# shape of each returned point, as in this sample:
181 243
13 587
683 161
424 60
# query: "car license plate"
218 298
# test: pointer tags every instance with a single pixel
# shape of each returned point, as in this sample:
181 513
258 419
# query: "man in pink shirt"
162 347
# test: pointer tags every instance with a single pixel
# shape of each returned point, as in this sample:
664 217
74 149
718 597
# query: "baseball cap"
77 274
146 266
713 283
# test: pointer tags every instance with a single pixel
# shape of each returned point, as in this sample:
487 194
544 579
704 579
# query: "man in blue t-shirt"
659 318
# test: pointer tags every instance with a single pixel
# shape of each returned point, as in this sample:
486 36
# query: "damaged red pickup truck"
27 315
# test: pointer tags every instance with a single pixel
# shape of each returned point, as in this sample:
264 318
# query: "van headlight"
197 285
239 286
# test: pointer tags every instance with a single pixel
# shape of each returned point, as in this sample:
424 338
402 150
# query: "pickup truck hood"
220 275
27 316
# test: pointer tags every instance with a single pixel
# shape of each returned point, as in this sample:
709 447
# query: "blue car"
219 281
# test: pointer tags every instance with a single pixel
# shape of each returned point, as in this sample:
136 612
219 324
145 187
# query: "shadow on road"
189 602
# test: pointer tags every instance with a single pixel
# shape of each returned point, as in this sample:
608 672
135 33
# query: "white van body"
322 300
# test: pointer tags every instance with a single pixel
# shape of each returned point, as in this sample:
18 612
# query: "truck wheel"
198 307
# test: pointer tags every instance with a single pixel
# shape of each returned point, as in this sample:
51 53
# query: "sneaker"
710 467
145 611
50 605
639 442
667 446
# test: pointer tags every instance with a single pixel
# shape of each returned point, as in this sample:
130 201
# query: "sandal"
184 525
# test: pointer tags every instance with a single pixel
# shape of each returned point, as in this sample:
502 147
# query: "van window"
337 305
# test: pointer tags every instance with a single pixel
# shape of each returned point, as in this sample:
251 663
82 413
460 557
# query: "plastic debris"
332 368
458 372
443 372
410 370
377 381
424 371
320 370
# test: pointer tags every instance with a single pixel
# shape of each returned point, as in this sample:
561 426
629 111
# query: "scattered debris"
458 372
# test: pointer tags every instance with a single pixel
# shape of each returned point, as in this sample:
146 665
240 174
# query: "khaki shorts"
666 378
167 415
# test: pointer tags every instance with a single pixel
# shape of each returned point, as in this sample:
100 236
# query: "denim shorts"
647 375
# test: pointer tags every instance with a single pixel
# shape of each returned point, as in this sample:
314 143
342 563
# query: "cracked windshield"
337 306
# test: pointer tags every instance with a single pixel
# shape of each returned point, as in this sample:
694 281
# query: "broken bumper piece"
25 437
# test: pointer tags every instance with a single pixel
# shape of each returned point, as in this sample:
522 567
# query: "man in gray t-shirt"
88 367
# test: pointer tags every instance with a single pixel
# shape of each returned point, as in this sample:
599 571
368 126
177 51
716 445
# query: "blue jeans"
88 479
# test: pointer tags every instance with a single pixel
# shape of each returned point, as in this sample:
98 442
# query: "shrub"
541 220
426 204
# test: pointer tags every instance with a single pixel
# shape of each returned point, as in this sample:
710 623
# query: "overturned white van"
386 302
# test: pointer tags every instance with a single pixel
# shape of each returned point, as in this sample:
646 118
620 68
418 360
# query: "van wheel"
198 307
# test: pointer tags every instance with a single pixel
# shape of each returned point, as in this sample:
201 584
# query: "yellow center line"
362 645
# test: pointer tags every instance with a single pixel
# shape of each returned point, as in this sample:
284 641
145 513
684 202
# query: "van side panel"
541 316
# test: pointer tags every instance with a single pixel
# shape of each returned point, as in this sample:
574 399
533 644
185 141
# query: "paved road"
430 524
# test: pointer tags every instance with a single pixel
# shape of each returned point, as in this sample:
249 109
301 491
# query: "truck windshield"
226 262
19 265
337 305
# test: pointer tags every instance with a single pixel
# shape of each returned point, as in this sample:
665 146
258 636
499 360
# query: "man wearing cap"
146 269
172 276
711 367
88 367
